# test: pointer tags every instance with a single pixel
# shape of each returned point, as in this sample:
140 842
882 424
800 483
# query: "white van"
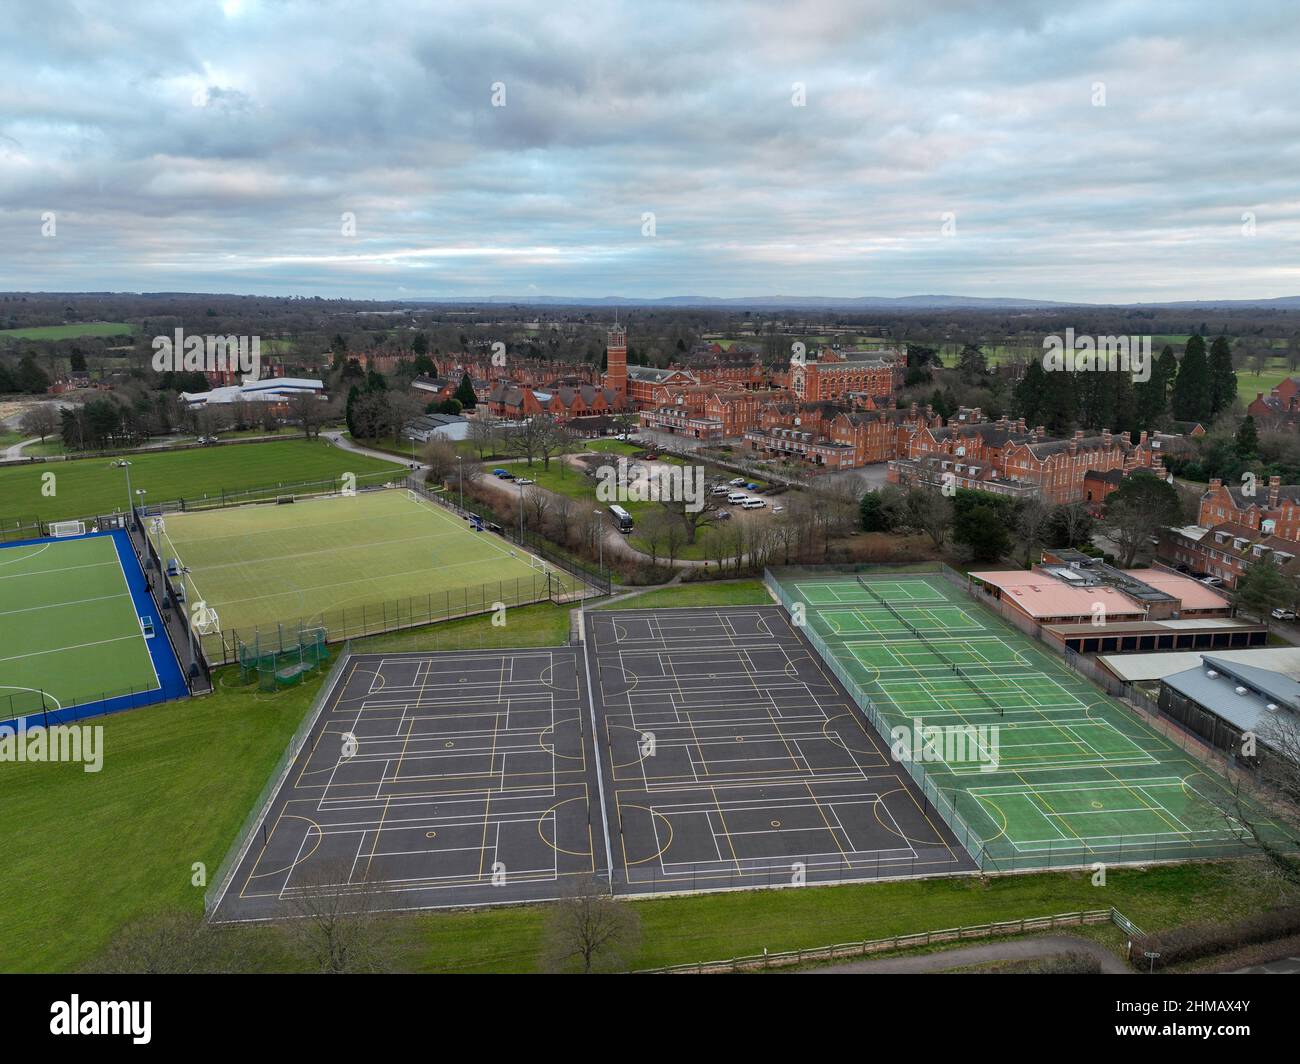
722 489
736 496
753 504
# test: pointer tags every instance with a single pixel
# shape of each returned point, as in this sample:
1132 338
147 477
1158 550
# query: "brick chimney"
1040 432
1105 437
1142 438
1274 488
1074 441
1215 484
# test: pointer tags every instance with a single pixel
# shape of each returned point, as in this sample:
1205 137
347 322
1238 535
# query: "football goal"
60 529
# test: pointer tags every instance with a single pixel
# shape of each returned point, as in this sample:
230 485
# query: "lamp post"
600 538
521 515
189 618
125 465
460 474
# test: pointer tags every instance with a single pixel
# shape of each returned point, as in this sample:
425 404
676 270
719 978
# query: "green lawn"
68 332
90 486
564 479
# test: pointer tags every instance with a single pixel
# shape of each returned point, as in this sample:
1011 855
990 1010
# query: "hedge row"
1201 940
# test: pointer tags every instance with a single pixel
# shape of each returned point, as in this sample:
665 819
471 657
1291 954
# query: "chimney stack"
1274 489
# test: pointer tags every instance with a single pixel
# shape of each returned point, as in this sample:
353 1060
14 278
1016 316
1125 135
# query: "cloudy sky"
1094 151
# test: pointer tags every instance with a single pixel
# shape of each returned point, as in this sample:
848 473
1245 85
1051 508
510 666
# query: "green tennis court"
69 631
382 552
1038 764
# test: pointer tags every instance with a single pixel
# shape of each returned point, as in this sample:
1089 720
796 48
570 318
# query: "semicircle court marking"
662 849
311 826
541 819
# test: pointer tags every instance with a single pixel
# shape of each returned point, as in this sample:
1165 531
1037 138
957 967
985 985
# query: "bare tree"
41 420
341 927
484 435
676 536
691 520
309 412
537 504
168 943
587 930
652 530
1030 526
440 456
552 439
564 516
930 512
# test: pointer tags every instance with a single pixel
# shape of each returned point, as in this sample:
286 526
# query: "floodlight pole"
460 470
124 464
600 538
189 618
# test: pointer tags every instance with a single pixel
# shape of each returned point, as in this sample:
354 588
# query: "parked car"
504 474
752 487
778 508
754 504
1212 581
737 496
723 515
524 480
737 482
1283 615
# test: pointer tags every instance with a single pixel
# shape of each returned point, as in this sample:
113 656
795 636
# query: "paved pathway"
1012 949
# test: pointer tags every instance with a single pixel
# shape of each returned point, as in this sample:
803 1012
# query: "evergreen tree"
465 392
30 377
972 363
1191 394
1031 393
1248 438
1223 378
1151 397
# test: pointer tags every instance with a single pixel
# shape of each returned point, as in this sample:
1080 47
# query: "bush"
1201 940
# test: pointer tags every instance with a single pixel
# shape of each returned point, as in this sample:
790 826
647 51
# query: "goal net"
59 529
414 496
205 619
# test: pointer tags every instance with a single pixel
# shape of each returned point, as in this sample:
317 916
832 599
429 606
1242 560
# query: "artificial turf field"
1059 774
70 631
264 565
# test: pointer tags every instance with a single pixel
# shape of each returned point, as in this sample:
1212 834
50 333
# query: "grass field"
68 332
259 565
1049 770
90 486
68 627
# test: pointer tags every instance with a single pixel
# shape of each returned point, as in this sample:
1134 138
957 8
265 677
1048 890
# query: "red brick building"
833 375
1273 510
1005 458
